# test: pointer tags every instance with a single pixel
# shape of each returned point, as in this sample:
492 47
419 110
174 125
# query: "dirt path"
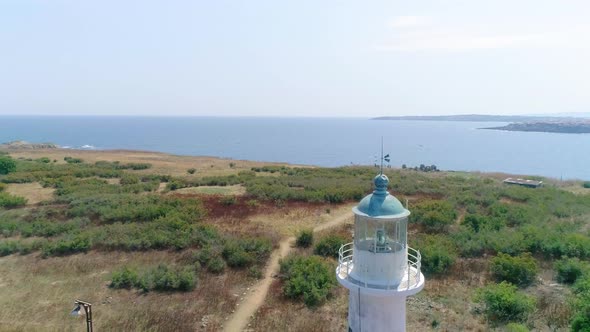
248 307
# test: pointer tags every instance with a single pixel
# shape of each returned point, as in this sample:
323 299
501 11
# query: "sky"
329 58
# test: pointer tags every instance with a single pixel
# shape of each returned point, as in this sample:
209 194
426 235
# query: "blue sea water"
320 141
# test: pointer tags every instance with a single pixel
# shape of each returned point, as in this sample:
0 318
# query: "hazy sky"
294 58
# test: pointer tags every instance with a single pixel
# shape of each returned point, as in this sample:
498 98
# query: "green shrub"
124 278
66 246
435 216
586 184
308 278
438 254
210 257
191 170
44 160
515 327
10 201
570 269
581 305
129 180
2 186
503 303
518 270
581 321
477 222
216 265
329 246
255 272
228 200
7 165
8 248
165 278
71 160
305 238
245 252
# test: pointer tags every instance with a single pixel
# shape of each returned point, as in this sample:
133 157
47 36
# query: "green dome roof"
380 203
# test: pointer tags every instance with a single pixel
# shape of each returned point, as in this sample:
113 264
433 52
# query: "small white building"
378 267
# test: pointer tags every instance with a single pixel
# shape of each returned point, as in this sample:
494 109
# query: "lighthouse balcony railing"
410 280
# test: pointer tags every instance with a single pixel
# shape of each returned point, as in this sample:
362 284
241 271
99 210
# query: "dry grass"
37 295
281 314
33 192
162 163
288 222
212 190
576 188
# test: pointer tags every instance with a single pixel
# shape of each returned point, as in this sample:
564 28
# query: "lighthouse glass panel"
380 235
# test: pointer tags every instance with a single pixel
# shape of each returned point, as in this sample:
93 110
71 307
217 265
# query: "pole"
381 155
88 311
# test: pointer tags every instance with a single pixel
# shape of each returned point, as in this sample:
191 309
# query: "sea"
330 142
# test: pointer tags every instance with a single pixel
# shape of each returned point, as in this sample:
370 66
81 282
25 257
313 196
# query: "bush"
210 257
255 272
245 252
191 170
11 201
586 184
66 247
514 327
216 265
581 321
129 180
329 246
7 165
228 200
164 278
8 248
71 160
305 238
570 269
581 305
308 278
124 278
503 303
438 254
435 216
518 270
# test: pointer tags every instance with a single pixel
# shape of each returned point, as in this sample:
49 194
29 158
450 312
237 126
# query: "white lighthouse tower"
379 268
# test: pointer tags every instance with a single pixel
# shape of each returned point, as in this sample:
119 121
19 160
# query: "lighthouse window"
379 235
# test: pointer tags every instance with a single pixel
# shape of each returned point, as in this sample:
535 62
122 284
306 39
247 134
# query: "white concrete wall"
375 313
380 268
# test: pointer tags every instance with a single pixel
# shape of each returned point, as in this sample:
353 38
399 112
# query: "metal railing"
346 265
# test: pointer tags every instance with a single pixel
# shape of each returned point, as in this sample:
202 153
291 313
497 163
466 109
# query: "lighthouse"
379 268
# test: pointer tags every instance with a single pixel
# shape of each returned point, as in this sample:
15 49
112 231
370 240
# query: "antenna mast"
381 155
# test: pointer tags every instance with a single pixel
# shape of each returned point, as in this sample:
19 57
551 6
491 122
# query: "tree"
7 165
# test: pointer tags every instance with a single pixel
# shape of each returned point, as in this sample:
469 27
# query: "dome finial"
381 182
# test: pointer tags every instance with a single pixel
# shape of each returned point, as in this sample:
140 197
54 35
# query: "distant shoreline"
478 118
580 127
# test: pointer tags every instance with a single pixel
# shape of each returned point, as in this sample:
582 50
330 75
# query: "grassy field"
187 249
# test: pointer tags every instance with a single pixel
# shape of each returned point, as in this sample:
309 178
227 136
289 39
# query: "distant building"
379 268
524 182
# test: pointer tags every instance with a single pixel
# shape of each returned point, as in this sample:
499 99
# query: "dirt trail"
253 301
